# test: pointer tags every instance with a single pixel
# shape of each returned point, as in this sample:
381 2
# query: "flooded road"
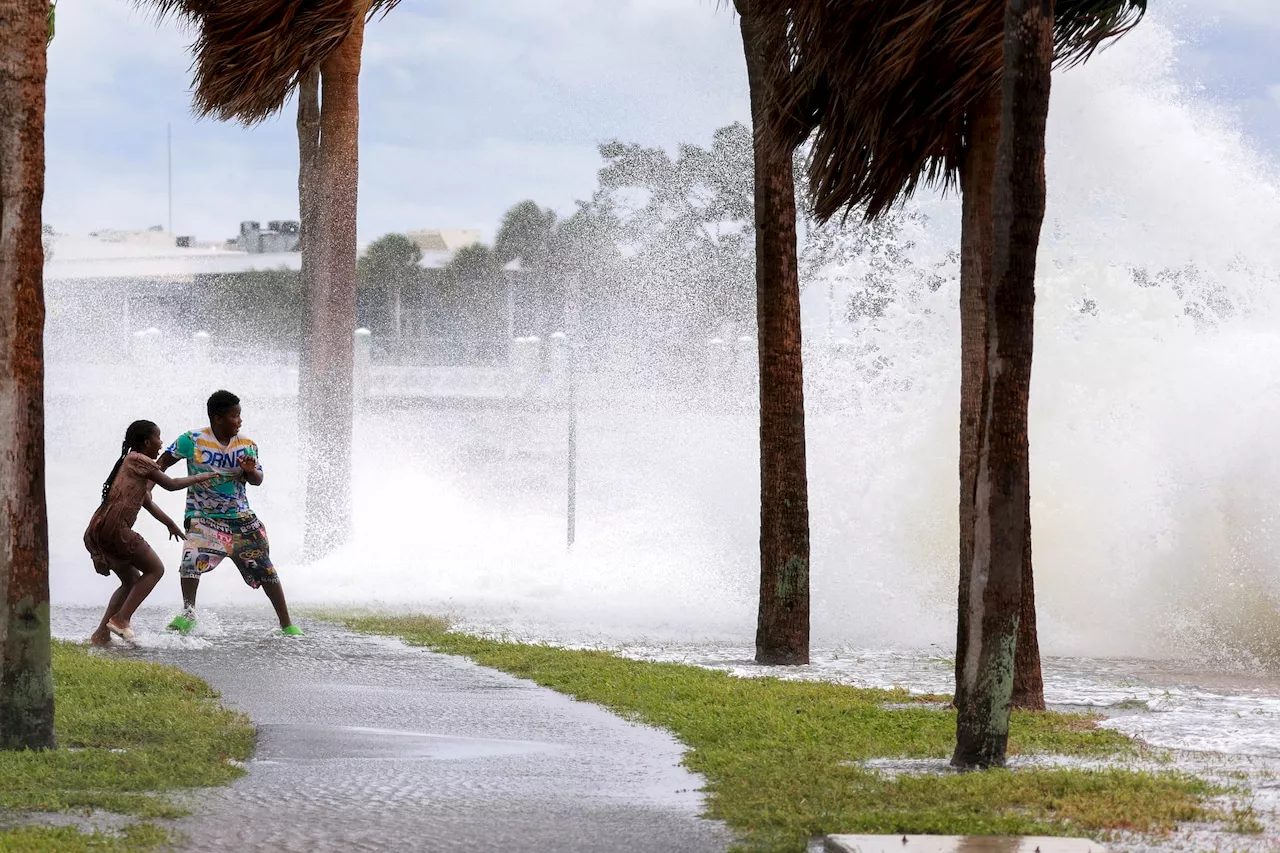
362 736
366 744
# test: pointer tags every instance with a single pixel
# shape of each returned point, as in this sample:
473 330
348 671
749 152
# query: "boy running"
219 522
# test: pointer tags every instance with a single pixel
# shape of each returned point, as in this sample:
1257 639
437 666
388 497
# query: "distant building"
153 238
103 288
280 235
106 287
111 257
448 240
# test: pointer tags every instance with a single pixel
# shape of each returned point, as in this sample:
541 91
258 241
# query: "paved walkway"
366 744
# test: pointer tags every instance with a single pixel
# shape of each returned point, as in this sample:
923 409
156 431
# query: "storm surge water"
1155 412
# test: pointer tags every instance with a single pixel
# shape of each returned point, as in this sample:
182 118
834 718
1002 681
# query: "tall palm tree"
250 56
1002 489
907 93
782 624
26 680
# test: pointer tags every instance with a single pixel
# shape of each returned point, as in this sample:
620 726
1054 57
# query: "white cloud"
1264 12
467 107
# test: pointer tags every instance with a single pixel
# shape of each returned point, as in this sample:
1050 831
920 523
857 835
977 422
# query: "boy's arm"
182 448
252 473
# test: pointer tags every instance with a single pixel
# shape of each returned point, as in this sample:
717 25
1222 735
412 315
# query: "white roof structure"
447 240
151 255
155 255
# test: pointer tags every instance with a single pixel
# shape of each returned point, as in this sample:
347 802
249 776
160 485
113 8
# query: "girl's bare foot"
101 637
123 630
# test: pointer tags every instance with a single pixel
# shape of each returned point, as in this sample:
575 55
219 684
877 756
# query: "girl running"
111 540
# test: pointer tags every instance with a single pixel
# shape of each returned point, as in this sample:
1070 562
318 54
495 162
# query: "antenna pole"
169 145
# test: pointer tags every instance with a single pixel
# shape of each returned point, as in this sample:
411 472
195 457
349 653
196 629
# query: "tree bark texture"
1003 479
977 177
308 125
26 680
1028 679
327 408
782 627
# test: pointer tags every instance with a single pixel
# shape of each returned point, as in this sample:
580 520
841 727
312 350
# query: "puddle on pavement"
301 742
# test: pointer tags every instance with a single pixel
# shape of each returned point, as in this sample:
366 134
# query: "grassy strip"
129 734
781 757
42 839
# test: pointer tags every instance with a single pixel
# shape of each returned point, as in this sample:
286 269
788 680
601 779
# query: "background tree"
276 296
387 269
526 233
914 103
475 293
585 251
639 295
686 224
882 249
26 678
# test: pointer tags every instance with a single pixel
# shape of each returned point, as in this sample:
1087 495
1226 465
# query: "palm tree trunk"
308 207
977 175
326 393
782 627
1003 482
1028 681
26 680
309 244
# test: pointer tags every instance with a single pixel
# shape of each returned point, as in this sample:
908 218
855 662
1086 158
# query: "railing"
264 373
536 371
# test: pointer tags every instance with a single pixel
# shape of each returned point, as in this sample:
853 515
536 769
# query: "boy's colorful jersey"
218 498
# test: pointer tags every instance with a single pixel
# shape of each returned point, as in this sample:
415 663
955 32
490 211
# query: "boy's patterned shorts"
210 540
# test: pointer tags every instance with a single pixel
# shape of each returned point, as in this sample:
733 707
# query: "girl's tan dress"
110 538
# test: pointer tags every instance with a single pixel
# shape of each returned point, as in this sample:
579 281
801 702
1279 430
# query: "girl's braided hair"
134 437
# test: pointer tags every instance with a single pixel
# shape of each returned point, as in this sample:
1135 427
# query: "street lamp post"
571 327
513 270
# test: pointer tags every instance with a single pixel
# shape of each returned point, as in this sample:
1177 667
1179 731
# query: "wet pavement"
367 744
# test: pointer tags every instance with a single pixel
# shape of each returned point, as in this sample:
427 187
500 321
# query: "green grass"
129 735
780 757
41 839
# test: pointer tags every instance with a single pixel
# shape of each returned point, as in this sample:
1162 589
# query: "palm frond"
380 8
1081 27
250 54
884 85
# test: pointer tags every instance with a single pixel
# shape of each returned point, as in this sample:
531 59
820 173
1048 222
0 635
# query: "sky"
469 106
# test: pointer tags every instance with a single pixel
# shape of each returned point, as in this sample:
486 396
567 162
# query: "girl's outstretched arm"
173 484
175 532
